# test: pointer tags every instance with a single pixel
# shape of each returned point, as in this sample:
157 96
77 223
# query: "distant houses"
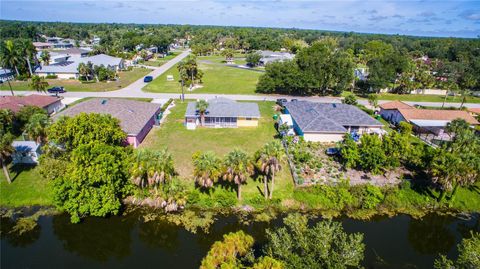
223 113
136 118
50 104
329 122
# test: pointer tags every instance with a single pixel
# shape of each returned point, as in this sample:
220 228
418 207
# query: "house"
272 56
6 74
69 68
223 112
26 152
63 45
53 39
329 122
424 121
50 104
76 52
361 73
475 112
42 45
136 118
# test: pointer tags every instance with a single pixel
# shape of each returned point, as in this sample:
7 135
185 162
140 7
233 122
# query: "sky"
454 18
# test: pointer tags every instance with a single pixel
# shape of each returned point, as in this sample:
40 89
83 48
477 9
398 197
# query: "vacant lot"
161 61
218 78
28 188
126 78
182 143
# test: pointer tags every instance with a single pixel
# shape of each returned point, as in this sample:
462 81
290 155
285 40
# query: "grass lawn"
28 188
426 98
161 61
182 143
126 78
218 78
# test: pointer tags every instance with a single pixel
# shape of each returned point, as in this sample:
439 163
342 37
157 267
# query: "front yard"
161 61
182 143
218 78
125 78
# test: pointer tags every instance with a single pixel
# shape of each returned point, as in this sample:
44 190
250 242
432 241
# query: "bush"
368 196
326 197
350 99
51 76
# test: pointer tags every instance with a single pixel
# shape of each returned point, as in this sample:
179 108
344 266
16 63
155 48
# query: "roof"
41 44
328 117
71 65
25 146
73 51
474 110
133 115
395 105
15 103
437 114
223 107
430 123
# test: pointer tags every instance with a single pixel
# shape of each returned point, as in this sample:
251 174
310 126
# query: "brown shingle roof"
434 114
133 115
474 110
15 103
395 105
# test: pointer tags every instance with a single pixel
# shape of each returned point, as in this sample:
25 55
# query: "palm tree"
152 168
444 171
9 56
207 168
202 107
28 51
85 70
237 168
6 120
45 56
39 84
6 150
268 160
36 127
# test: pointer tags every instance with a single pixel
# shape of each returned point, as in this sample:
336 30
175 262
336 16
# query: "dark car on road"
147 79
282 101
57 90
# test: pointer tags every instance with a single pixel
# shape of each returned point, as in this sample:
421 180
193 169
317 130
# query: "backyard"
125 78
28 188
182 143
218 78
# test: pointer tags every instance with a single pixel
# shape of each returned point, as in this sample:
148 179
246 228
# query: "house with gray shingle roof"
223 112
329 122
136 117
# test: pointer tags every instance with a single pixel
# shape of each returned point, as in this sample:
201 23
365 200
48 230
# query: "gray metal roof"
71 65
328 117
25 146
133 115
223 107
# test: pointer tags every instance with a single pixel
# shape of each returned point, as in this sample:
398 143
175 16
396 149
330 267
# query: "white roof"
430 123
71 65
286 118
25 146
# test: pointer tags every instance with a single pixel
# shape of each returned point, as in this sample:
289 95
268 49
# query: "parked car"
57 90
147 79
281 101
294 100
332 151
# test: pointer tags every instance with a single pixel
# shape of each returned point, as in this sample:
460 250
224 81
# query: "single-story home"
223 112
329 122
26 152
63 45
431 121
136 117
50 104
474 111
6 74
80 52
69 68
274 56
42 45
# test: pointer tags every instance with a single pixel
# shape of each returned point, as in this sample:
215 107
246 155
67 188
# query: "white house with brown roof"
50 104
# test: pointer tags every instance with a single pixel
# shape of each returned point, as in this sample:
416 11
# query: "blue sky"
429 18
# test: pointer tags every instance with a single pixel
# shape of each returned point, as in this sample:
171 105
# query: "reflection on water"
126 242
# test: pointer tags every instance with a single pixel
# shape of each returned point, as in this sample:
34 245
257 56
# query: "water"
127 242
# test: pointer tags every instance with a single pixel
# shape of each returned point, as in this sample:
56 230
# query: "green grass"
27 189
426 98
161 61
218 78
126 78
182 143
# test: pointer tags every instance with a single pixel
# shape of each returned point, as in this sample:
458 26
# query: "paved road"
135 90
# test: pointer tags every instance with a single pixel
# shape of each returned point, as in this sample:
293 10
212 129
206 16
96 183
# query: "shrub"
368 196
51 76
